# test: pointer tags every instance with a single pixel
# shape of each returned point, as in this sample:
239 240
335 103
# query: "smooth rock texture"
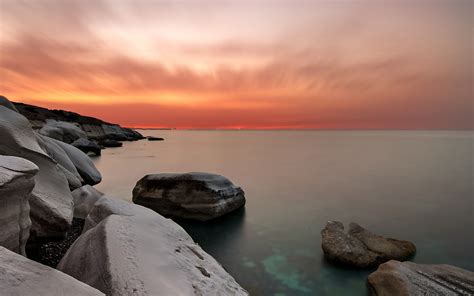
82 162
84 199
135 251
16 183
198 196
57 153
63 131
86 146
20 276
361 248
51 200
396 278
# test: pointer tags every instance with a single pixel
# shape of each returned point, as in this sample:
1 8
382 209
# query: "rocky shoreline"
61 234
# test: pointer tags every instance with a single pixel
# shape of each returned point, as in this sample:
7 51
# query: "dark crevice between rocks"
51 252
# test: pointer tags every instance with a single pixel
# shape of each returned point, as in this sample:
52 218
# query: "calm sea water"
409 185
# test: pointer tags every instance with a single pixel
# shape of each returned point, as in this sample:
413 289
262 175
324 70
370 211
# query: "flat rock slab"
20 276
197 196
396 278
361 248
130 250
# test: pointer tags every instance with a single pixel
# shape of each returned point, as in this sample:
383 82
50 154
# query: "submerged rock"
361 248
130 250
396 278
22 276
84 199
86 146
16 184
199 196
51 201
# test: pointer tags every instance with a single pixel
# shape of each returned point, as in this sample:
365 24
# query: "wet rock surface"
361 248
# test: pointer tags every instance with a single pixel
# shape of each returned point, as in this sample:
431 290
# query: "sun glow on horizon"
242 64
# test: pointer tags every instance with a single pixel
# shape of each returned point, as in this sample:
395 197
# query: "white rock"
61 130
84 199
82 162
57 153
20 276
16 183
135 251
51 201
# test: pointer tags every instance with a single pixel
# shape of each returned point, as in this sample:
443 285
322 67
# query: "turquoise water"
408 185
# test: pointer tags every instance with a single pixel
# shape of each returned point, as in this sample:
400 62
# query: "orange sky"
244 64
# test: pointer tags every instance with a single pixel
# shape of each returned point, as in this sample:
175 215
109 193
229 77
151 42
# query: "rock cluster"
396 278
361 248
198 196
127 249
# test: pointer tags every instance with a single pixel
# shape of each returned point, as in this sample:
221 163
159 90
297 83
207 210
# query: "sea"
410 185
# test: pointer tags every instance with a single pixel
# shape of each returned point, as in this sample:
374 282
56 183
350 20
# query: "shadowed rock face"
22 276
113 255
396 278
93 128
360 247
16 183
198 196
51 200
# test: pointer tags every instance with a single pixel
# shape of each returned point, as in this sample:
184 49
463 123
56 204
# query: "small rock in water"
197 196
155 139
396 278
360 247
110 143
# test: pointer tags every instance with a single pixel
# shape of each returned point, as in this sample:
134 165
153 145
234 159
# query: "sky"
261 64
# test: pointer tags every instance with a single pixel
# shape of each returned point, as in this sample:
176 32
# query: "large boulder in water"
51 200
199 196
360 247
16 183
135 251
22 276
396 278
67 132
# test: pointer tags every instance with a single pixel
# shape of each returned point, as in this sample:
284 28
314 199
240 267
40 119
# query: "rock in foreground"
16 183
396 278
360 248
21 276
198 196
135 251
51 201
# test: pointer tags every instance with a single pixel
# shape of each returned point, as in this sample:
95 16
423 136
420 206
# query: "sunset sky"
395 64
